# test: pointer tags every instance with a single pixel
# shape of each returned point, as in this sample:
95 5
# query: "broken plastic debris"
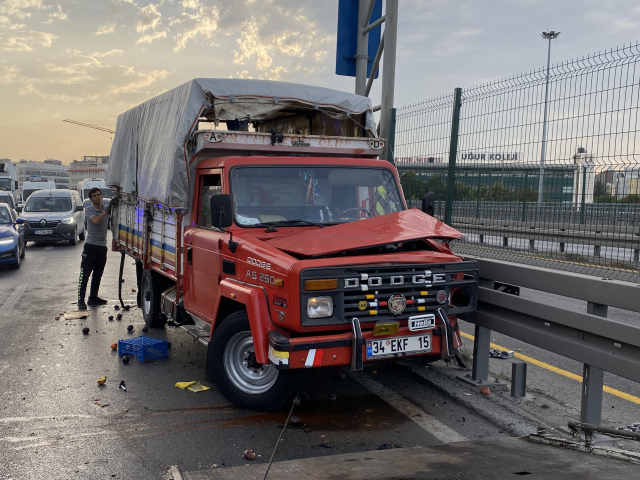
192 386
122 386
76 315
501 354
101 380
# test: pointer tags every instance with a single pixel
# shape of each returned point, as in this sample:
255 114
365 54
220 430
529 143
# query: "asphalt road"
57 422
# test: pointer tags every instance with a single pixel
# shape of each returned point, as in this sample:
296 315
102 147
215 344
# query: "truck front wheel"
232 366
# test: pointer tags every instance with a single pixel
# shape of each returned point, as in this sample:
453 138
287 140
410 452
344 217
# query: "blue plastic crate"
143 347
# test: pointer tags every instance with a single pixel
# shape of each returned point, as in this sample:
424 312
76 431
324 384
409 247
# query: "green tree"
531 195
633 198
606 198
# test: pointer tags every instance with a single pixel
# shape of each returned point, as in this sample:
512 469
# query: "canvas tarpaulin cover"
149 154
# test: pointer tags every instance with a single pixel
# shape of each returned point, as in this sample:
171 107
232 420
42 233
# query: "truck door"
202 255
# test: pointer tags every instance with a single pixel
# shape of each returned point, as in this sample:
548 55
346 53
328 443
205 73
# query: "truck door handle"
190 256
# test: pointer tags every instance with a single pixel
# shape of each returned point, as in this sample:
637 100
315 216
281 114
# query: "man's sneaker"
96 302
82 305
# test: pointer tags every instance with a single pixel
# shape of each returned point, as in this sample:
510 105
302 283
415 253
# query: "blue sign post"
348 37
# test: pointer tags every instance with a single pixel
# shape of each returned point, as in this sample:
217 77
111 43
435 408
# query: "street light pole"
547 36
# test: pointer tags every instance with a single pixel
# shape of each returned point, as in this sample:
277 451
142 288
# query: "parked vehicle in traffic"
7 197
29 187
283 242
54 215
11 237
88 183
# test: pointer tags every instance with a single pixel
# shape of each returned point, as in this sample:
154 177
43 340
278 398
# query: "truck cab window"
210 186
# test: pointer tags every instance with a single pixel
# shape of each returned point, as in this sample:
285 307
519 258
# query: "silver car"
54 215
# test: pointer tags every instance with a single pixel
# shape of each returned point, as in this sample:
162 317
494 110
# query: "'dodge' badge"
397 303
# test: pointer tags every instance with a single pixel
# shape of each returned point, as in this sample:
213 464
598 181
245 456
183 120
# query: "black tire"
74 240
151 287
83 235
267 396
16 265
24 248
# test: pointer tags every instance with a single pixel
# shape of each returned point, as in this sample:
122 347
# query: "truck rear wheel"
151 287
243 381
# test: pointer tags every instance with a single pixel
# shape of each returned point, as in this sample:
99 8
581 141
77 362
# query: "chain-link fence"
546 169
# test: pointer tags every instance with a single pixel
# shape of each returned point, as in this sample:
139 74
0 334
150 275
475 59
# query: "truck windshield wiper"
290 222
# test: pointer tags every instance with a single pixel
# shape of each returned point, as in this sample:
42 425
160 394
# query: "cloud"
59 15
27 41
108 53
9 74
201 23
142 80
151 37
106 28
17 8
274 74
31 90
148 18
250 47
6 23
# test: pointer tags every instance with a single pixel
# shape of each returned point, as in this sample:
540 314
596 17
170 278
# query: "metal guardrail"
601 344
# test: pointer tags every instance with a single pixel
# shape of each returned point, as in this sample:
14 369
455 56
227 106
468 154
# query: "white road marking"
419 416
13 300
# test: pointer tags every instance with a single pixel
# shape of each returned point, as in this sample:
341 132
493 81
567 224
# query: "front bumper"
62 231
8 255
338 350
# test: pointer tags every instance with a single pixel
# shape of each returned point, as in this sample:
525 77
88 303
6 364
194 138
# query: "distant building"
50 170
95 158
79 171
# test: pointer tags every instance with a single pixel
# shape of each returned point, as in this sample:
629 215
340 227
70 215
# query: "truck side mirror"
221 210
429 203
79 208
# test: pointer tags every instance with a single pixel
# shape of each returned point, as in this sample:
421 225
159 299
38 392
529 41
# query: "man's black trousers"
94 258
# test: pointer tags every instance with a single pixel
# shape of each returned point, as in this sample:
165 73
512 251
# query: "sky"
90 60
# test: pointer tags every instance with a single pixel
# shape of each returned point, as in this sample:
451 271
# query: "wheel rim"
146 293
243 370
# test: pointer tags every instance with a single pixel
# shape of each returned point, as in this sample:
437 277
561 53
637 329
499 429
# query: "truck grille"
47 224
365 292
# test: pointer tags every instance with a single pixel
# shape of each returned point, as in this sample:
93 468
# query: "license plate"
422 322
398 346
43 232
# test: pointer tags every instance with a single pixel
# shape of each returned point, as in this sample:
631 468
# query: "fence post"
478 199
524 198
583 203
392 135
453 152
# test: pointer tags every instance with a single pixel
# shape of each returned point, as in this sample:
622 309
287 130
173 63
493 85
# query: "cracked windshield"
319 195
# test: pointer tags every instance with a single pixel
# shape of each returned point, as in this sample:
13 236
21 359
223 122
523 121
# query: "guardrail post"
592 380
481 347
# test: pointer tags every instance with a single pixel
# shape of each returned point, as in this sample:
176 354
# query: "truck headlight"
68 221
320 307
